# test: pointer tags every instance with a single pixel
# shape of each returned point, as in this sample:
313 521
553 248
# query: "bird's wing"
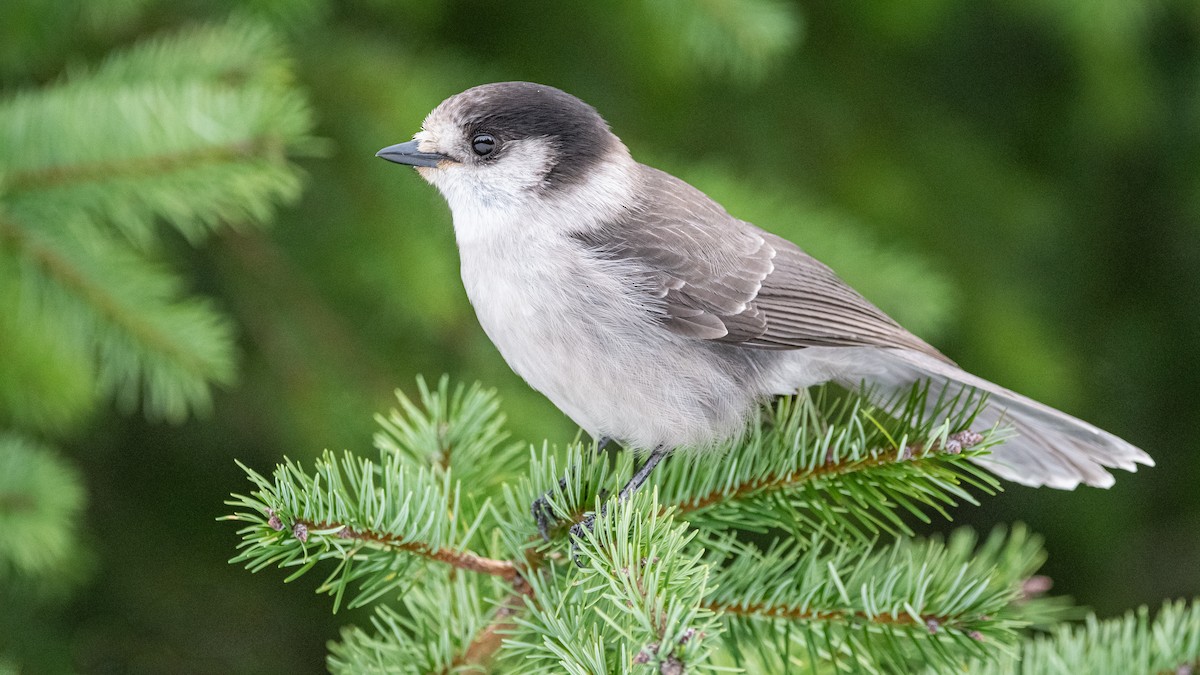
722 279
714 277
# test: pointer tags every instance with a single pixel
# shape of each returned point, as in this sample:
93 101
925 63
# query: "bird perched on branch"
650 315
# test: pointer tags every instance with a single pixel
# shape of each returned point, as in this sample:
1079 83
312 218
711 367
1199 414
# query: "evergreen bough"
791 550
99 171
190 132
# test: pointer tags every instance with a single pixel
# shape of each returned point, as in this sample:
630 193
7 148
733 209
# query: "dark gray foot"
543 514
636 481
578 531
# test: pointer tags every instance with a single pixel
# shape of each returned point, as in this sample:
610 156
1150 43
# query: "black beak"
407 153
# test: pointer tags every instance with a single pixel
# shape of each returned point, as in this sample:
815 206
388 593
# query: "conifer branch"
459 429
665 579
930 622
108 305
914 452
43 178
460 559
1168 644
191 131
41 498
147 341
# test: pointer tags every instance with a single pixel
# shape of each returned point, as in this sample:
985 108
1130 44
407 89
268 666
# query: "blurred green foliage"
1018 181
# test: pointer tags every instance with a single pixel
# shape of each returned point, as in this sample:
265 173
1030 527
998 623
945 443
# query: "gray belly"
599 355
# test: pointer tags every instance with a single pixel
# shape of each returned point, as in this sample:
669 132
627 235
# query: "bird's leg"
543 515
640 476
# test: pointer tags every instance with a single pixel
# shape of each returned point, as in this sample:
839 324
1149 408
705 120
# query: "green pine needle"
41 504
1135 643
460 430
192 131
741 38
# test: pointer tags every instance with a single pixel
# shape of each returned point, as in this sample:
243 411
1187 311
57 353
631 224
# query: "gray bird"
651 316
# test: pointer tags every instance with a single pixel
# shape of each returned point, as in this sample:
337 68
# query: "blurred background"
1018 182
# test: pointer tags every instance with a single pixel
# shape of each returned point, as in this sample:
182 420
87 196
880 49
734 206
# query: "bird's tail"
1049 447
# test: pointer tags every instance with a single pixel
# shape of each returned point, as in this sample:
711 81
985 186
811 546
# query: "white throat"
520 212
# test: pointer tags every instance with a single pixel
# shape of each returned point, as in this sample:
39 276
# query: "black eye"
483 144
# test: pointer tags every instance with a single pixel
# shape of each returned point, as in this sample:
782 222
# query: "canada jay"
651 316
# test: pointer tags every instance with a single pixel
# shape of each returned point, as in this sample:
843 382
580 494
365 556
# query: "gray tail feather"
1049 447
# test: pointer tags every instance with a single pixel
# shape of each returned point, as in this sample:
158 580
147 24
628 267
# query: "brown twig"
955 444
778 482
800 614
464 560
482 648
931 622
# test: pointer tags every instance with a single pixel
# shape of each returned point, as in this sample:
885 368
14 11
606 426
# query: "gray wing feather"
722 279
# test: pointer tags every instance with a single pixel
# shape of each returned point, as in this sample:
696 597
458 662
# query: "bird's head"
506 144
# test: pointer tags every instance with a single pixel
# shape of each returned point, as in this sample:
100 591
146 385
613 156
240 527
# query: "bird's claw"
578 532
543 515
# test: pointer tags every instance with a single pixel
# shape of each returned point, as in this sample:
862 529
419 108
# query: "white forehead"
449 120
440 128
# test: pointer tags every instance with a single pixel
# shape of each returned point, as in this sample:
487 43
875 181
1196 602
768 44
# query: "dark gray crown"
521 110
